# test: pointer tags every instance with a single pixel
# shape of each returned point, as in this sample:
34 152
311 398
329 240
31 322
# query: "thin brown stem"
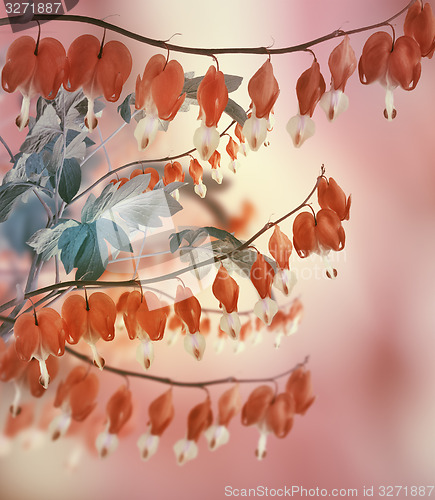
200 384
202 51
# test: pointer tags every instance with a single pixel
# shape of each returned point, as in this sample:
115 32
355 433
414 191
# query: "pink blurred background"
369 334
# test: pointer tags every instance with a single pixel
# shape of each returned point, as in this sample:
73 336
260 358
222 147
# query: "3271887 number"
408 491
34 8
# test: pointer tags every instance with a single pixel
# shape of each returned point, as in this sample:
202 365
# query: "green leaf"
34 166
85 247
196 236
46 128
70 179
124 109
45 241
236 112
9 195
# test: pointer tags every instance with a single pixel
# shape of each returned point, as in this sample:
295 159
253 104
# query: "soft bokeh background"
369 334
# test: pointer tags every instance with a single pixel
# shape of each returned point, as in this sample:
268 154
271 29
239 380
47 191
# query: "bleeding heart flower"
161 413
39 335
34 68
280 247
299 385
263 90
91 319
226 290
330 195
118 410
393 64
262 275
309 89
229 405
188 309
342 63
212 96
77 398
158 93
196 172
420 25
200 418
215 162
99 69
319 235
232 149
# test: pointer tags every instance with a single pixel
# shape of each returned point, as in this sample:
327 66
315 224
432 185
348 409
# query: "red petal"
166 90
280 248
200 418
263 90
254 410
161 412
373 63
212 96
20 65
342 63
304 234
226 290
119 409
229 404
309 88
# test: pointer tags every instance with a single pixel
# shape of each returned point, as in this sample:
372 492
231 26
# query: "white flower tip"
146 131
265 309
98 360
300 129
216 435
185 450
206 140
145 354
106 444
44 378
200 189
334 103
147 444
230 324
216 175
255 131
194 343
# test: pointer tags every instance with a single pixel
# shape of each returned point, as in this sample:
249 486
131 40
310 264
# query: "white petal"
171 337
145 354
185 450
230 324
216 435
98 360
260 452
216 175
334 103
283 282
23 118
255 131
145 131
106 443
390 111
206 140
300 129
90 118
194 343
265 309
59 426
200 189
44 379
148 444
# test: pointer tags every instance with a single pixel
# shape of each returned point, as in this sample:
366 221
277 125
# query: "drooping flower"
393 64
226 290
270 413
196 172
319 235
200 418
262 275
154 176
263 89
158 93
215 162
188 309
309 89
232 149
161 413
76 396
39 335
280 247
99 69
420 25
342 63
173 172
34 68
291 320
299 385
238 131
330 195
229 405
91 319
212 96
118 411
145 319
